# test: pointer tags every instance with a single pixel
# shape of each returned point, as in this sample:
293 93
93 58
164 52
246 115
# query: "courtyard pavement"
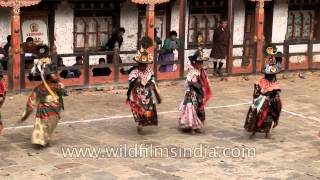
97 121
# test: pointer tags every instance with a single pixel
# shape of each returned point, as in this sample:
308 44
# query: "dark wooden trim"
182 32
22 73
116 15
286 52
268 22
51 25
229 62
10 73
139 29
168 13
86 68
310 54
116 64
317 25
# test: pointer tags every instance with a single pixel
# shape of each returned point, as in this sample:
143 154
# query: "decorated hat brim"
276 72
192 58
143 62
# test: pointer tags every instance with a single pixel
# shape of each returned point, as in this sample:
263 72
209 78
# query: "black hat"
42 51
199 55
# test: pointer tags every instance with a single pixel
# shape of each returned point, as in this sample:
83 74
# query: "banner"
37 29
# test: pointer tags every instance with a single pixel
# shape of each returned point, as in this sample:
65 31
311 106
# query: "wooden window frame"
312 7
207 8
96 10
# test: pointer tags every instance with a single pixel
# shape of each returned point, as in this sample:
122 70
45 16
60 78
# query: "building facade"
72 26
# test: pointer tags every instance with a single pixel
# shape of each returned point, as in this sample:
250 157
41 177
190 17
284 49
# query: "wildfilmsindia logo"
150 151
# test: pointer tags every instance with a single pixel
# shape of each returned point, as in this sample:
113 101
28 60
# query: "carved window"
300 24
204 17
203 24
92 32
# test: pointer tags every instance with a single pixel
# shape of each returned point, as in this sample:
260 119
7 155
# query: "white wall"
5 25
280 20
63 32
238 30
129 20
175 20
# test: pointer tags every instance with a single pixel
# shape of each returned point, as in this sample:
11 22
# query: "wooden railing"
248 65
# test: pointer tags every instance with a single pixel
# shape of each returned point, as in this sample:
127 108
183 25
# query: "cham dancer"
143 93
2 95
266 107
197 94
47 97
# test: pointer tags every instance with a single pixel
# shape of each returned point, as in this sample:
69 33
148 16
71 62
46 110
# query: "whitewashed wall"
280 20
5 25
129 20
238 29
63 32
175 26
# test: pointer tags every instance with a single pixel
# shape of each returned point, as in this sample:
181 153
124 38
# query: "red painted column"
150 25
259 33
15 47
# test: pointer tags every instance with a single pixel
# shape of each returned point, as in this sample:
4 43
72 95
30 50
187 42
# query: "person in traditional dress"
197 94
170 45
29 50
143 93
2 95
266 107
219 47
48 98
157 39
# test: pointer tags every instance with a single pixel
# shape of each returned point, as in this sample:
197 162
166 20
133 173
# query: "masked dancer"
266 107
48 98
197 94
143 93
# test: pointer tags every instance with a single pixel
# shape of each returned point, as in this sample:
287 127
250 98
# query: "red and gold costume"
266 107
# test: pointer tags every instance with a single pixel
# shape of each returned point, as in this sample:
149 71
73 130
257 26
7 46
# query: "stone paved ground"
92 119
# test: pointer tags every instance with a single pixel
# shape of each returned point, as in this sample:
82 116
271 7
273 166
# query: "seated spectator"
101 71
29 49
2 54
42 54
7 45
79 62
3 59
64 73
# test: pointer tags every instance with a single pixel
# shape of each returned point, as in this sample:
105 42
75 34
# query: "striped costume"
48 111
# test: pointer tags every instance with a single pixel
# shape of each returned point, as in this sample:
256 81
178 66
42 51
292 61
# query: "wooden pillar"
259 33
150 25
182 32
15 47
168 18
230 25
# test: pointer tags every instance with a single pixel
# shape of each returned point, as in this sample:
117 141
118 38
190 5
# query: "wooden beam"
168 18
182 32
229 62
259 33
150 26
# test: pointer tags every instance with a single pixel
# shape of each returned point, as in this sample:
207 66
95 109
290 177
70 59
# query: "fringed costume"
48 98
266 107
143 93
2 96
48 111
197 94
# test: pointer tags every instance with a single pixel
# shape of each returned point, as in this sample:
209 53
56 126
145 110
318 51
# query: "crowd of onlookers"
29 54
